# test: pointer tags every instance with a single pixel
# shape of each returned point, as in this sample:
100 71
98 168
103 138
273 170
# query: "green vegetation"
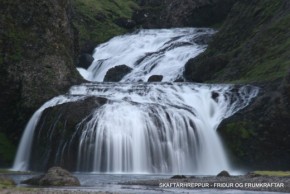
254 44
6 182
7 149
273 173
94 19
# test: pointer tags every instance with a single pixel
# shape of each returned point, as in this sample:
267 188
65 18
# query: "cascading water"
142 127
149 52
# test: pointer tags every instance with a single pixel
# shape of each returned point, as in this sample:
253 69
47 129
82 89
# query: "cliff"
253 46
181 13
38 50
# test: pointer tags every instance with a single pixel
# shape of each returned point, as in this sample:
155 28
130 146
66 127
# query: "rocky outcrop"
98 21
55 176
6 181
252 47
181 13
37 43
85 60
125 23
117 73
60 123
258 136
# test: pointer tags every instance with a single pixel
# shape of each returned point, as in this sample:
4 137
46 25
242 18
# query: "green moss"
256 42
95 18
238 133
273 173
7 149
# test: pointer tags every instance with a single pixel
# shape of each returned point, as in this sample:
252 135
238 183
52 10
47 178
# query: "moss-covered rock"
181 13
258 136
56 177
6 181
37 43
7 151
57 137
95 20
253 45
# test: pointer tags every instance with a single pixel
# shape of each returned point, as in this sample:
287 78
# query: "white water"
148 128
148 52
22 158
158 128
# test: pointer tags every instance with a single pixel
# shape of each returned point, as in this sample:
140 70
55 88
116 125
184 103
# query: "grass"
273 173
7 149
95 18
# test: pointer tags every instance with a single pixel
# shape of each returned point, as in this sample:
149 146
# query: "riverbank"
112 183
249 182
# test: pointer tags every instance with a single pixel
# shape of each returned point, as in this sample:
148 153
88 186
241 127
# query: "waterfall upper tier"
148 52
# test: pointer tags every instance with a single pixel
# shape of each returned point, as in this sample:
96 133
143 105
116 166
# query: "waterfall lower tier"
133 128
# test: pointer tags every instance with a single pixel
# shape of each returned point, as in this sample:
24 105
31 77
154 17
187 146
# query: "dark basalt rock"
200 69
85 60
125 23
116 73
60 123
88 47
155 78
37 62
182 13
258 136
178 177
55 176
203 39
224 173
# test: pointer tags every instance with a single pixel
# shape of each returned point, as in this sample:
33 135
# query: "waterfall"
141 127
149 52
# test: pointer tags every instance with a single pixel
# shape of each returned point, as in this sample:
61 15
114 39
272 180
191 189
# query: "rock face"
258 136
116 73
85 60
125 23
61 124
37 43
252 47
55 176
240 51
181 13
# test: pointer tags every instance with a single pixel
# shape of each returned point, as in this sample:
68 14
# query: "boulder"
178 177
85 60
224 173
155 78
6 181
61 123
55 176
125 23
117 73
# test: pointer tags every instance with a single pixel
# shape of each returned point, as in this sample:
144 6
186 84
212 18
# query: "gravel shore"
246 182
47 191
